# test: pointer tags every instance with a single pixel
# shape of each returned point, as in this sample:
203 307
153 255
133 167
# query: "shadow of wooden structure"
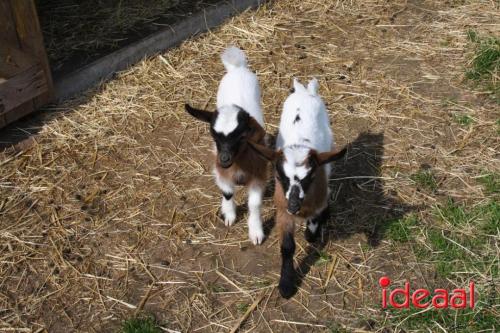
25 74
25 77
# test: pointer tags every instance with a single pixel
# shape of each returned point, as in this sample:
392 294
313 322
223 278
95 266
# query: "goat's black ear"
243 116
263 151
257 133
329 156
202 115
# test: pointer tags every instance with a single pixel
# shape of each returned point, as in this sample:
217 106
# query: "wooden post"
25 77
30 38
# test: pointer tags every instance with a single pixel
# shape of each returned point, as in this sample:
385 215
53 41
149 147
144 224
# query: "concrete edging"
105 67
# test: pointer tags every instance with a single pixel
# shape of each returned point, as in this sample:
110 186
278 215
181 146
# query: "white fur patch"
305 120
233 57
313 86
224 184
239 86
255 231
294 167
228 209
312 227
295 157
227 120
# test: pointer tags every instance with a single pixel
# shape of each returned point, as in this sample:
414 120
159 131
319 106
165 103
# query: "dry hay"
111 209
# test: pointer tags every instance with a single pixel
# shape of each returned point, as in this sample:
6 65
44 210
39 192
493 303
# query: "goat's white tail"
233 57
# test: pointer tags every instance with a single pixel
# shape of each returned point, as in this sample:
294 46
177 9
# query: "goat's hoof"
228 218
310 236
256 235
287 289
313 230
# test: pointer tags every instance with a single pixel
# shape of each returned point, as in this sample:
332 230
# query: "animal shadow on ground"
358 202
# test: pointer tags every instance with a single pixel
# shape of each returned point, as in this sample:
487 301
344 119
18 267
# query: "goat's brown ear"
202 115
329 156
263 151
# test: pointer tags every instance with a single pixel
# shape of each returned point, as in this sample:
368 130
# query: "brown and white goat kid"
305 147
238 118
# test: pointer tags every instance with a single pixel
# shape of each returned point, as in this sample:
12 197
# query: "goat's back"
241 87
304 121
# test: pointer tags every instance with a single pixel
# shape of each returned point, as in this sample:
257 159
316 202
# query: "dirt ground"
111 209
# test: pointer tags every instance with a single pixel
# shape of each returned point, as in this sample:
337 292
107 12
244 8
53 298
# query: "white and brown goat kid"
305 146
238 118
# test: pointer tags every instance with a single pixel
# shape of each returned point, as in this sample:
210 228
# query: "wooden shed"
25 77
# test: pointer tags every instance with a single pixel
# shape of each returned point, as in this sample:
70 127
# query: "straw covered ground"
111 212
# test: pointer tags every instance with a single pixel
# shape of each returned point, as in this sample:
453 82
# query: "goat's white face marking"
312 226
227 120
295 168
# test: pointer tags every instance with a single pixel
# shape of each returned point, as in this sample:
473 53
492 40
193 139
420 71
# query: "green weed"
336 328
491 182
463 119
425 179
242 307
400 229
453 213
216 288
485 63
453 250
323 258
140 325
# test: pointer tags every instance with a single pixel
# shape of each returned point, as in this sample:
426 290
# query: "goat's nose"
293 208
224 157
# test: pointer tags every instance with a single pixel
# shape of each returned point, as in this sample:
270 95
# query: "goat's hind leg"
314 225
228 206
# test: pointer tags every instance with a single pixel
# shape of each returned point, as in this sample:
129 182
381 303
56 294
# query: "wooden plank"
9 37
23 87
31 41
7 23
9 34
13 61
3 120
17 113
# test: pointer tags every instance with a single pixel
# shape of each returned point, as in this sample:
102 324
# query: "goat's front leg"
314 225
255 231
288 277
228 206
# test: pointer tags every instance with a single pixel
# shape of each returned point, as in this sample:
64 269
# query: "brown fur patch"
285 222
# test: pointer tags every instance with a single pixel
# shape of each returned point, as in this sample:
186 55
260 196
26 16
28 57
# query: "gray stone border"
104 68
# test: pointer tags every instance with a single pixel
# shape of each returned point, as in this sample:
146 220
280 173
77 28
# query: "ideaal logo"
460 298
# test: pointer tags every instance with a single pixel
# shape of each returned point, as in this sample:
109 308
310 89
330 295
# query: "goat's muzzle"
294 200
225 159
